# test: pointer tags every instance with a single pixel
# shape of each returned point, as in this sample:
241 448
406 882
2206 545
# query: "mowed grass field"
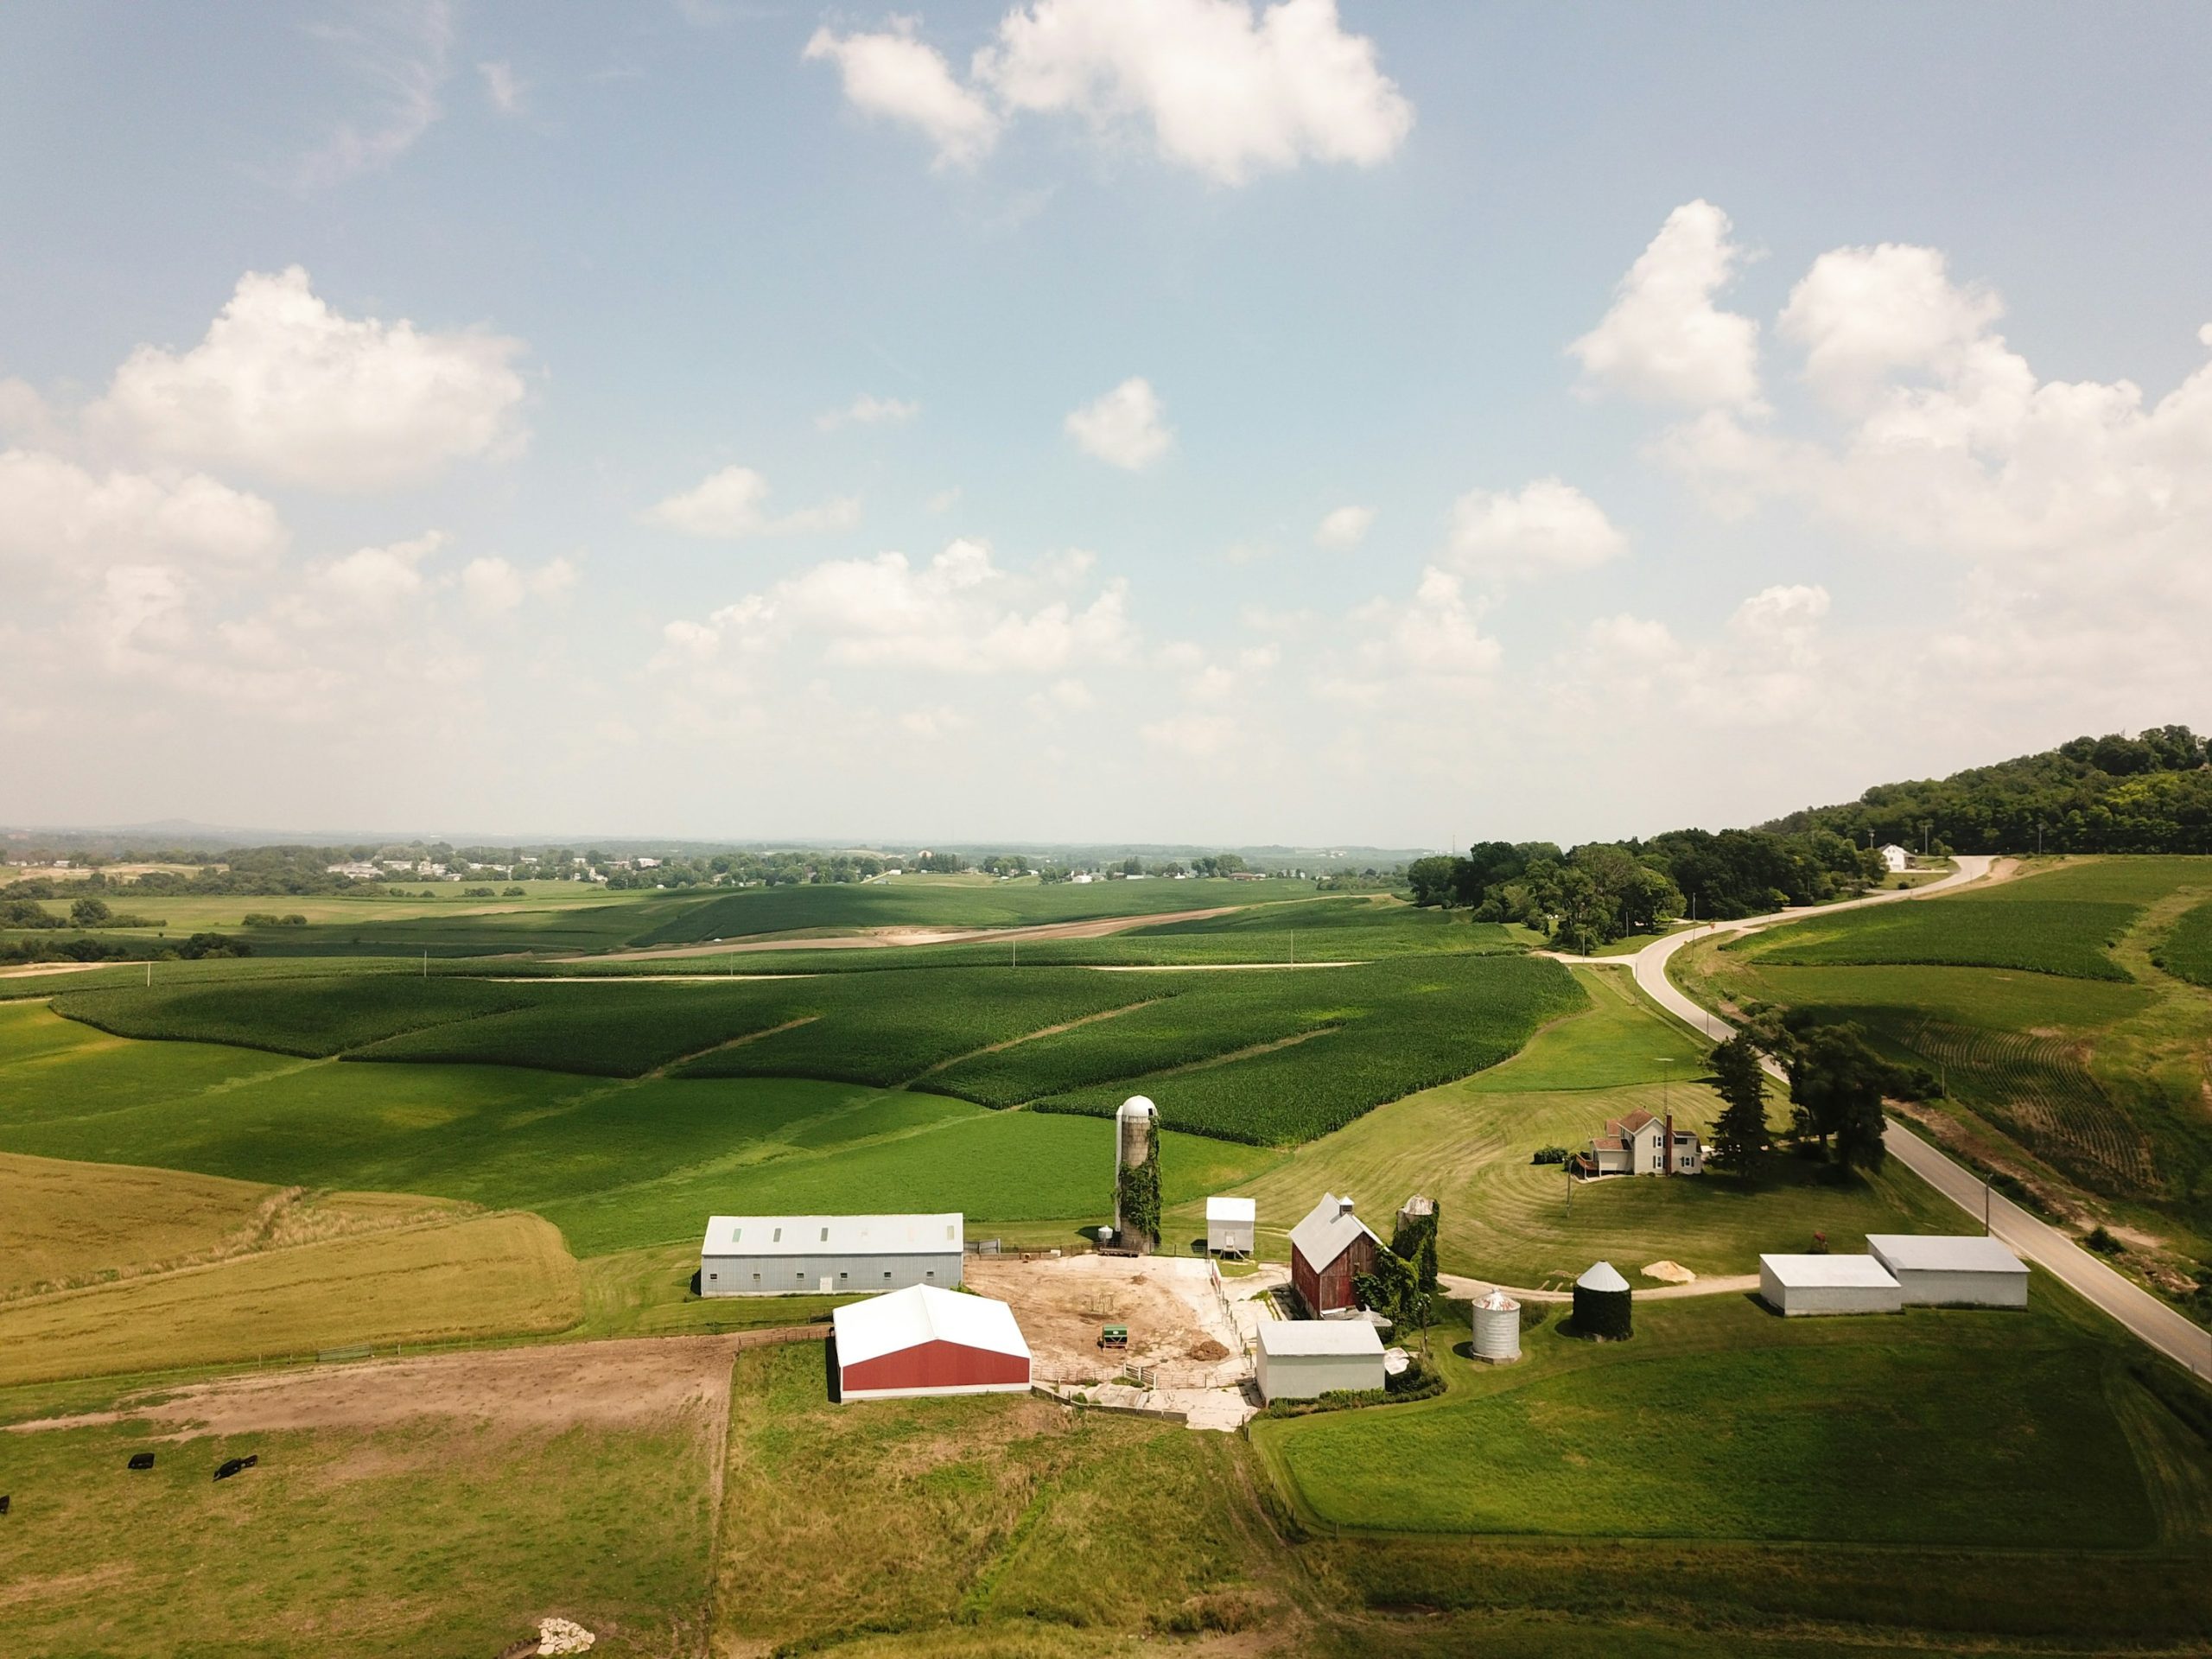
1468 1145
2092 1089
1721 1420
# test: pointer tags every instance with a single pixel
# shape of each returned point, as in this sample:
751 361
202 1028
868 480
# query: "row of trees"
2148 793
1607 890
1837 1086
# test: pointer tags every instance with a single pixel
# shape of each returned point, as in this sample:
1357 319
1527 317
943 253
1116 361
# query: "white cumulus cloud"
56 514
1343 528
285 388
869 410
732 504
1124 428
1223 88
895 75
959 613
1546 526
1664 339
1864 314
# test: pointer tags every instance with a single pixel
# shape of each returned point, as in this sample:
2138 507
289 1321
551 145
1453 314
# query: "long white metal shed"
1302 1359
1230 1223
1952 1270
1827 1284
773 1256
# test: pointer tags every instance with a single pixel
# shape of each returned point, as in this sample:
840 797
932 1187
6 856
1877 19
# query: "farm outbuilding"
1952 1270
780 1256
1497 1328
1230 1223
1303 1359
923 1341
1827 1284
1326 1249
1602 1303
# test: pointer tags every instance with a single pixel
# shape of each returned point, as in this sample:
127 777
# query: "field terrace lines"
895 938
1031 1037
668 1066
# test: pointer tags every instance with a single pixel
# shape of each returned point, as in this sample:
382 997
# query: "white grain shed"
1827 1284
1952 1270
1302 1359
773 1256
1230 1223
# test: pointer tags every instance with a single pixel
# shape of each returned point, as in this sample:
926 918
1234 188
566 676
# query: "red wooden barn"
1326 1249
925 1340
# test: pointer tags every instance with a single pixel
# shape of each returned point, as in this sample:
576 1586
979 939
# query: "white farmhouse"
1641 1144
1895 858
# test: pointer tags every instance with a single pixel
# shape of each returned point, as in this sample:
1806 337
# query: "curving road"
2027 1234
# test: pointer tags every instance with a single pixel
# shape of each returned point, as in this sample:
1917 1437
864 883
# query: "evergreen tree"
1741 1133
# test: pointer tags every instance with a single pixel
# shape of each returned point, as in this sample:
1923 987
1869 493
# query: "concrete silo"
1497 1328
1134 1127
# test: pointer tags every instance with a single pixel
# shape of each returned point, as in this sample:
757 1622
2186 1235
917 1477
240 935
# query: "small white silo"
1497 1328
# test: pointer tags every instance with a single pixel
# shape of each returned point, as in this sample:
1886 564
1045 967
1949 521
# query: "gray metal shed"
1302 1359
1952 1270
1230 1224
783 1255
1827 1284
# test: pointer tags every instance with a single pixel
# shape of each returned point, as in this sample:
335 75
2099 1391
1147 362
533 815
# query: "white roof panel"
1327 1231
1829 1271
1218 1209
1602 1275
1943 1253
833 1234
919 1313
1300 1337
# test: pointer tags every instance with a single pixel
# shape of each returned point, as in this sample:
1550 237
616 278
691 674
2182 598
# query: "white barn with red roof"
923 1341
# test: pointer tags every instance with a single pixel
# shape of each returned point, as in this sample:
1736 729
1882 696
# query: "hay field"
67 1225
484 1276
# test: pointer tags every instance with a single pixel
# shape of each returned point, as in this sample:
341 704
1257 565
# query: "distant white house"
1895 858
1641 1144
360 869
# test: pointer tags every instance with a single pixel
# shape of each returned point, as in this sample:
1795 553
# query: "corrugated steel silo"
1497 1328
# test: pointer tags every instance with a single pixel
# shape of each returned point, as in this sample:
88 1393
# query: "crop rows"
1395 1028
315 1017
2187 952
2038 1090
890 1028
2064 937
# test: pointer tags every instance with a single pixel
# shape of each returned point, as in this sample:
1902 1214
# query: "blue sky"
1162 419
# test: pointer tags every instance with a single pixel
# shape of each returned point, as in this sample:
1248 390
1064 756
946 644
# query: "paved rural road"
2056 1252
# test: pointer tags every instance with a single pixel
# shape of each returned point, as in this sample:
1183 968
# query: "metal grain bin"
1497 1328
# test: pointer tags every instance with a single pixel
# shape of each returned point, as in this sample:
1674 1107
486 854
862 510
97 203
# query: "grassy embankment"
2072 1060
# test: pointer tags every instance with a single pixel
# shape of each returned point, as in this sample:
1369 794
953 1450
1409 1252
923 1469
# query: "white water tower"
1497 1328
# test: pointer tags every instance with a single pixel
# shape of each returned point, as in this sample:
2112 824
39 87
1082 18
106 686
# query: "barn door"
828 1283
